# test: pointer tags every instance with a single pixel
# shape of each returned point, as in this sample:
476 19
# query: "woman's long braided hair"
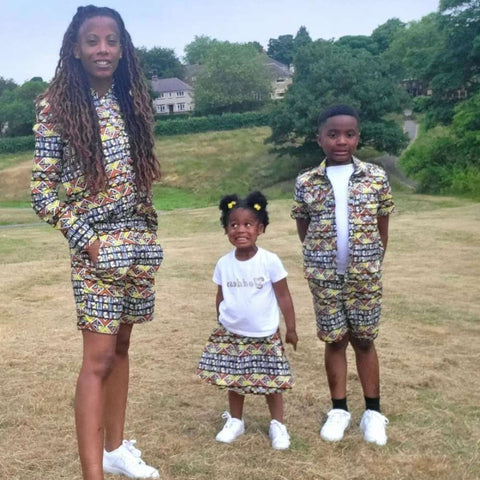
74 114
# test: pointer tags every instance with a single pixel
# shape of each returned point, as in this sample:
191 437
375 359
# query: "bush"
16 144
440 164
228 121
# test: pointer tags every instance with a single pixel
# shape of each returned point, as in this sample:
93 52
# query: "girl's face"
243 229
98 48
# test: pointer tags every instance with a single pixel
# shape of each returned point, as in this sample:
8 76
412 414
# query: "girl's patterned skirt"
245 364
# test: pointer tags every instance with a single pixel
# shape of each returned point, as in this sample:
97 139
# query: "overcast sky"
31 31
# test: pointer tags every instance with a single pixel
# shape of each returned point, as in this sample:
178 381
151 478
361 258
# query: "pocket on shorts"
114 258
148 251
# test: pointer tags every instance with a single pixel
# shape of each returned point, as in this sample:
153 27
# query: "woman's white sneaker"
374 427
126 460
232 429
335 425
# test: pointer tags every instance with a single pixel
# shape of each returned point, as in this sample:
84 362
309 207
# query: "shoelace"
336 417
129 445
229 423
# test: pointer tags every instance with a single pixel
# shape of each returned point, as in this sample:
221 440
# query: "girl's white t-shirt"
249 305
339 176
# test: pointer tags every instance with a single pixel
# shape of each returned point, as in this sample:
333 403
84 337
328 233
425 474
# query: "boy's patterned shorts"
350 304
120 287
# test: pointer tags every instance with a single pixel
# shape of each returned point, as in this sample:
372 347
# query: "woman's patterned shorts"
119 288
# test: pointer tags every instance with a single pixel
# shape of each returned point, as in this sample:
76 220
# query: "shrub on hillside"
16 144
229 121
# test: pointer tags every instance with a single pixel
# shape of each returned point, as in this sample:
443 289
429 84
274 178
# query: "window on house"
181 107
161 108
180 93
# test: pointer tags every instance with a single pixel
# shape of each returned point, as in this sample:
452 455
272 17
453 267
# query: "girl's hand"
291 338
93 251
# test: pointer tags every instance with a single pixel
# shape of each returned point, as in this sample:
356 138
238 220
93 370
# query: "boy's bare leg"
367 367
336 367
235 402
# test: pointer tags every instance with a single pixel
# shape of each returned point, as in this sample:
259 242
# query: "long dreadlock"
74 114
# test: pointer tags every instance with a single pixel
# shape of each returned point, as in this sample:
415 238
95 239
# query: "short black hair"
255 201
335 110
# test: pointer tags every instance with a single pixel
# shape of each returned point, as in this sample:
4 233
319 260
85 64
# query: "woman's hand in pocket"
93 250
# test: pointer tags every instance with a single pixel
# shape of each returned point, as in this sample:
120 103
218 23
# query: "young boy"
342 209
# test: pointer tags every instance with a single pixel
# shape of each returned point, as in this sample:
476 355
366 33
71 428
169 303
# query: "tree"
282 49
256 45
233 79
358 42
328 74
384 34
196 51
6 84
414 48
454 70
159 62
17 107
302 39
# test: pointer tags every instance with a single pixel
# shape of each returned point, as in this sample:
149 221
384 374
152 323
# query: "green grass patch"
8 160
170 198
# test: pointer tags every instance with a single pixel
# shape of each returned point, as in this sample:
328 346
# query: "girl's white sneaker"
278 435
232 429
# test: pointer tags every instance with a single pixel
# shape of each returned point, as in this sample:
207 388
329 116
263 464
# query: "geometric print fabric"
255 365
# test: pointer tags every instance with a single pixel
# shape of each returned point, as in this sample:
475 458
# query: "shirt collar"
359 167
109 94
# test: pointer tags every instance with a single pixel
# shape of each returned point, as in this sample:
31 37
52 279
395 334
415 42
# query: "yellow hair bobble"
257 207
231 204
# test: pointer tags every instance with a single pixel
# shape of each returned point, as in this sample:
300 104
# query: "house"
280 74
172 95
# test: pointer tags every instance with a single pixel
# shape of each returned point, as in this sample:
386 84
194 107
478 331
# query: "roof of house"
162 85
276 68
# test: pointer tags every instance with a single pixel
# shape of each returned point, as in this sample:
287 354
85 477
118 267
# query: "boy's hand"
291 338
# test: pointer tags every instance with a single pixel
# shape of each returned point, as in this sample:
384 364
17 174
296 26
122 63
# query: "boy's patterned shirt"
82 214
369 197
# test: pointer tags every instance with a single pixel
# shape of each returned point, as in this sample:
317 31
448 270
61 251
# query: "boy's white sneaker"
278 435
126 460
374 427
232 429
335 425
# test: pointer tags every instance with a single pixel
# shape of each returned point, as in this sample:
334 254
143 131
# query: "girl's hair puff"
72 111
254 201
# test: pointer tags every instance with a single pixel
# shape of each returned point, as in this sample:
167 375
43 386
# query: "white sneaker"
126 460
232 429
278 435
373 425
335 425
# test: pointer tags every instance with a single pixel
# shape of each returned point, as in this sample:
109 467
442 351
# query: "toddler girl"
245 353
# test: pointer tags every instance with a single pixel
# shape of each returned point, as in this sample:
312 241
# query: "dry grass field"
429 348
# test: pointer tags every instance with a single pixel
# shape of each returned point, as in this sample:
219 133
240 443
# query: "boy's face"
339 138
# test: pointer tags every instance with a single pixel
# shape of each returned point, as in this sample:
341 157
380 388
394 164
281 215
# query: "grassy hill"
197 170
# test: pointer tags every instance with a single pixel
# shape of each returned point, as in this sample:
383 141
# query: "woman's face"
98 48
